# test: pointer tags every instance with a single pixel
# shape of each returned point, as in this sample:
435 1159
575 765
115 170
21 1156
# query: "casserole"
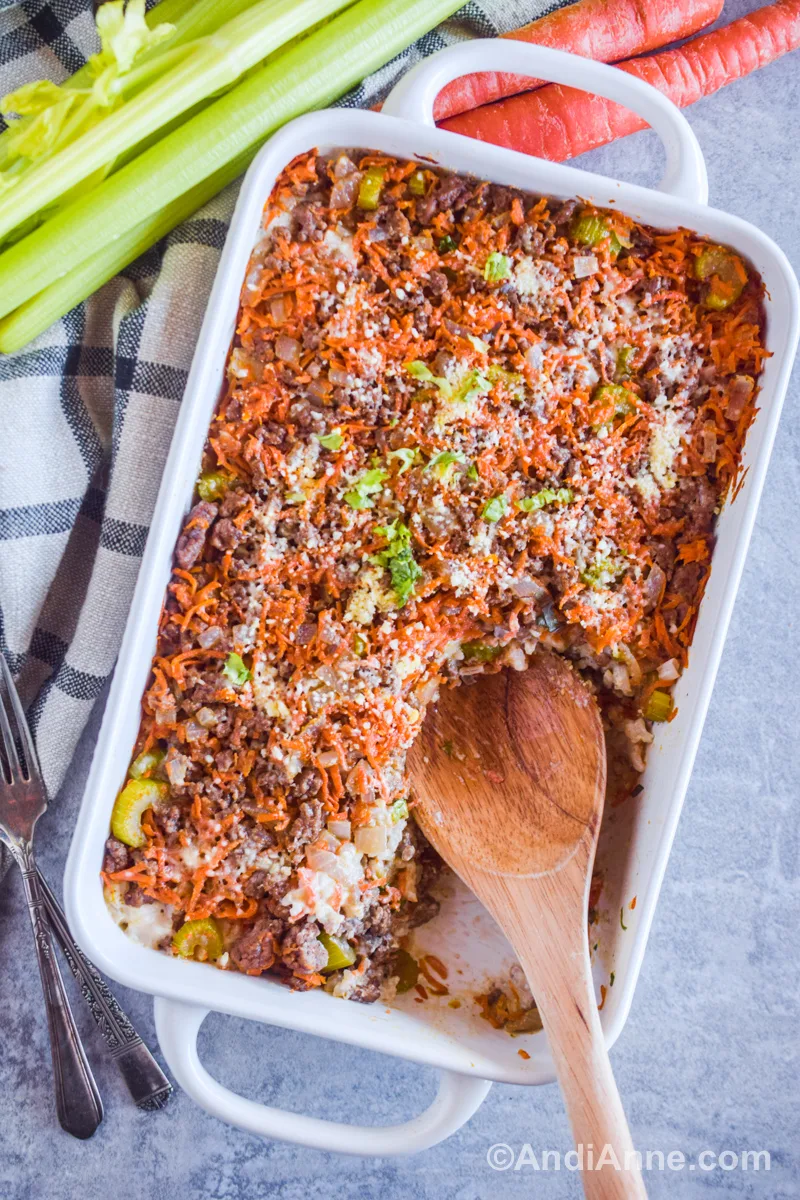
636 838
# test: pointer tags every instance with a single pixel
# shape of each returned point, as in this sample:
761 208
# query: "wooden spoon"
513 805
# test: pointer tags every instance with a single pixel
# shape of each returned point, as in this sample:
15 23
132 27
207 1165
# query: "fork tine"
9 745
25 738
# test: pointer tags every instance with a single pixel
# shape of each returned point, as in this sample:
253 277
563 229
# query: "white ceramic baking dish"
637 836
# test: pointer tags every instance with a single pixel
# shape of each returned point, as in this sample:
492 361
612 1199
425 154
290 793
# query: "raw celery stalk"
195 18
191 18
27 322
204 67
352 45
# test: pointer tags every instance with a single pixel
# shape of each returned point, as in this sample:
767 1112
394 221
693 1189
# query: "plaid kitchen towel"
89 408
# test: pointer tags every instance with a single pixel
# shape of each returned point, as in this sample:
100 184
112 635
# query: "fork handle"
80 1109
147 1083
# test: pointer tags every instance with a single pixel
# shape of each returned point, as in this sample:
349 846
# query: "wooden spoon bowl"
510 774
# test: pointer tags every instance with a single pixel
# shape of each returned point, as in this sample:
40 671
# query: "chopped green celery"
480 651
619 241
147 761
421 371
593 574
611 400
340 953
235 670
446 244
589 229
130 806
496 267
295 498
406 456
472 473
369 192
360 644
212 485
354 43
725 274
473 385
624 365
406 968
201 939
331 441
494 509
416 183
545 496
510 379
399 811
658 707
443 463
366 486
398 560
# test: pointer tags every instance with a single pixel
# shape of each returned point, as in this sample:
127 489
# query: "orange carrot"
606 30
560 122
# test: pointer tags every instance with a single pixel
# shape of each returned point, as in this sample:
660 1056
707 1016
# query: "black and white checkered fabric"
89 408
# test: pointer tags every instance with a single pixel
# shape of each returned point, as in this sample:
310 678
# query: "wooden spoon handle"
548 932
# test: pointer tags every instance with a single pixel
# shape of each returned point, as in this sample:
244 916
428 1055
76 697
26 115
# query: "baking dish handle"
413 97
177 1026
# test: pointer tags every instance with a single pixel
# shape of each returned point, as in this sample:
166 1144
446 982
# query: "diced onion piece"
345 190
528 587
371 840
343 167
287 349
739 392
176 765
321 860
534 356
209 637
277 308
515 657
340 829
629 659
709 444
669 671
585 264
328 758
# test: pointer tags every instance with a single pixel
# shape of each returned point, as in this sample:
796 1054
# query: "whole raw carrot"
606 30
558 122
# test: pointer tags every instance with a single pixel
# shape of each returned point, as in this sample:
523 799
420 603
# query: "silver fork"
22 802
